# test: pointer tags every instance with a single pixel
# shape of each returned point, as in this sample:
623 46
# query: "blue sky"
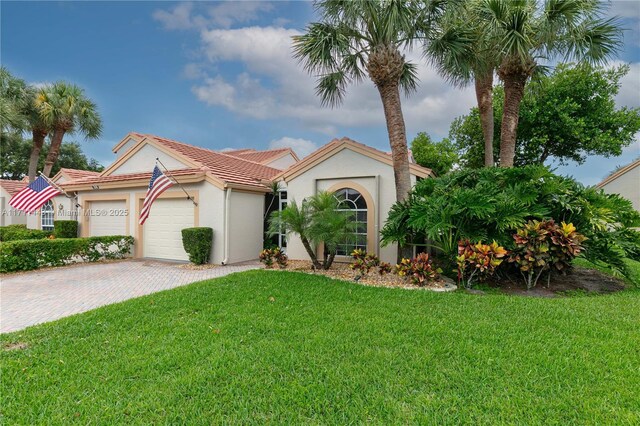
220 75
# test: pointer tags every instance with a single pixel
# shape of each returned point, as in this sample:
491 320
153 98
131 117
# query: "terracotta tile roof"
78 174
12 186
261 156
97 179
228 168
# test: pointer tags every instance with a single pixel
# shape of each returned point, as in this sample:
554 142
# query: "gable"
283 162
143 159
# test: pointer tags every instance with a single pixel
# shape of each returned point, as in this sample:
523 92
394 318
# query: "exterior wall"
8 215
282 163
347 167
627 185
144 160
126 147
63 209
245 226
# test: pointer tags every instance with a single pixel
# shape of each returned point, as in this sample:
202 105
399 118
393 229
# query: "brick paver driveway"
41 296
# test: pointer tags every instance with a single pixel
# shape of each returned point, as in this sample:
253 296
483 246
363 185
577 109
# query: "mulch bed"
579 280
341 271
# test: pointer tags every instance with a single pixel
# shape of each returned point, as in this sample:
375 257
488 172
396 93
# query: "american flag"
34 195
157 185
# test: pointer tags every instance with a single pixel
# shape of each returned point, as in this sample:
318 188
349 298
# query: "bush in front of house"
25 255
21 232
493 203
197 243
269 256
476 262
65 228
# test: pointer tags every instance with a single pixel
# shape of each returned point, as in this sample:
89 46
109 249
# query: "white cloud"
302 147
275 86
223 15
629 94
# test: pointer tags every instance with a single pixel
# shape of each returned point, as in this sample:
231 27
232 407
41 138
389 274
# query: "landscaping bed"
342 271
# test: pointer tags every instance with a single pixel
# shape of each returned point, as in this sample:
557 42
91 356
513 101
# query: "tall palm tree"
462 53
39 130
13 100
529 31
360 38
65 109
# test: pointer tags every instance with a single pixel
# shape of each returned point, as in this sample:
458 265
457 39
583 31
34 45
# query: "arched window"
352 200
46 216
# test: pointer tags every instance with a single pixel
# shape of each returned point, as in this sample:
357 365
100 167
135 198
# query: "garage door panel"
104 219
163 229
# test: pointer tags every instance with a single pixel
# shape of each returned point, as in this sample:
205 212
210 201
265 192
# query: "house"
625 181
226 191
8 215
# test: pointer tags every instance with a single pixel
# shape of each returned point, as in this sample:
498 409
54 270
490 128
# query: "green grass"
288 348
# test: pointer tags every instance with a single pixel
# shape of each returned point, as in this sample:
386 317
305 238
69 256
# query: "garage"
162 231
107 218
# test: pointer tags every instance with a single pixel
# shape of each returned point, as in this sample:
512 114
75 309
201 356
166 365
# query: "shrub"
384 268
24 255
420 269
65 228
492 203
363 262
478 261
197 243
20 232
268 256
544 246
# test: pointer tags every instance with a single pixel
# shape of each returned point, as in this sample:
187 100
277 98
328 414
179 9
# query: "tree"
437 156
527 31
316 222
14 97
360 38
462 53
566 116
14 162
65 109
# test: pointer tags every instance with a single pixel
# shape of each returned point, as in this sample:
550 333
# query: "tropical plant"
366 38
565 116
419 270
64 108
440 157
363 262
266 257
478 261
545 246
316 221
527 32
492 203
269 256
14 98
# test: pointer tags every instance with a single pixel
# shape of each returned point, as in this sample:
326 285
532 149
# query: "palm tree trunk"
484 95
390 95
38 142
310 252
513 93
54 150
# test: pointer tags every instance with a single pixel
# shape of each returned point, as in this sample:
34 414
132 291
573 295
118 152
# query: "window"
282 236
46 216
351 200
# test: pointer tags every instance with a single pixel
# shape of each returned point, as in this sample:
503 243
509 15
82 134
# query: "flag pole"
189 197
50 182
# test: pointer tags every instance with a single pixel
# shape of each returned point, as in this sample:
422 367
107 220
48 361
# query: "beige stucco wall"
627 185
349 166
8 215
144 160
246 212
126 147
282 163
63 208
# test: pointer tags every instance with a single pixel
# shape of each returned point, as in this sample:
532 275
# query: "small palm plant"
316 221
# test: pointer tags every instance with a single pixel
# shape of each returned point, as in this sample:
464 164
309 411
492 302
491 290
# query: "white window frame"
47 216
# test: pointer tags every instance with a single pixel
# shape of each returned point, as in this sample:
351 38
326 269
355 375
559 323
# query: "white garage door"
163 229
107 218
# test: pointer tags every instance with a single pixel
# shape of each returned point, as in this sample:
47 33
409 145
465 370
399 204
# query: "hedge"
20 232
197 243
65 228
32 254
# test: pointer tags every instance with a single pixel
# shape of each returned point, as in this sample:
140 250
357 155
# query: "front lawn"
289 348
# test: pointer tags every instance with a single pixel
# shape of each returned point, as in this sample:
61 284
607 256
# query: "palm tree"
315 221
13 100
462 53
39 130
65 109
528 31
362 38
